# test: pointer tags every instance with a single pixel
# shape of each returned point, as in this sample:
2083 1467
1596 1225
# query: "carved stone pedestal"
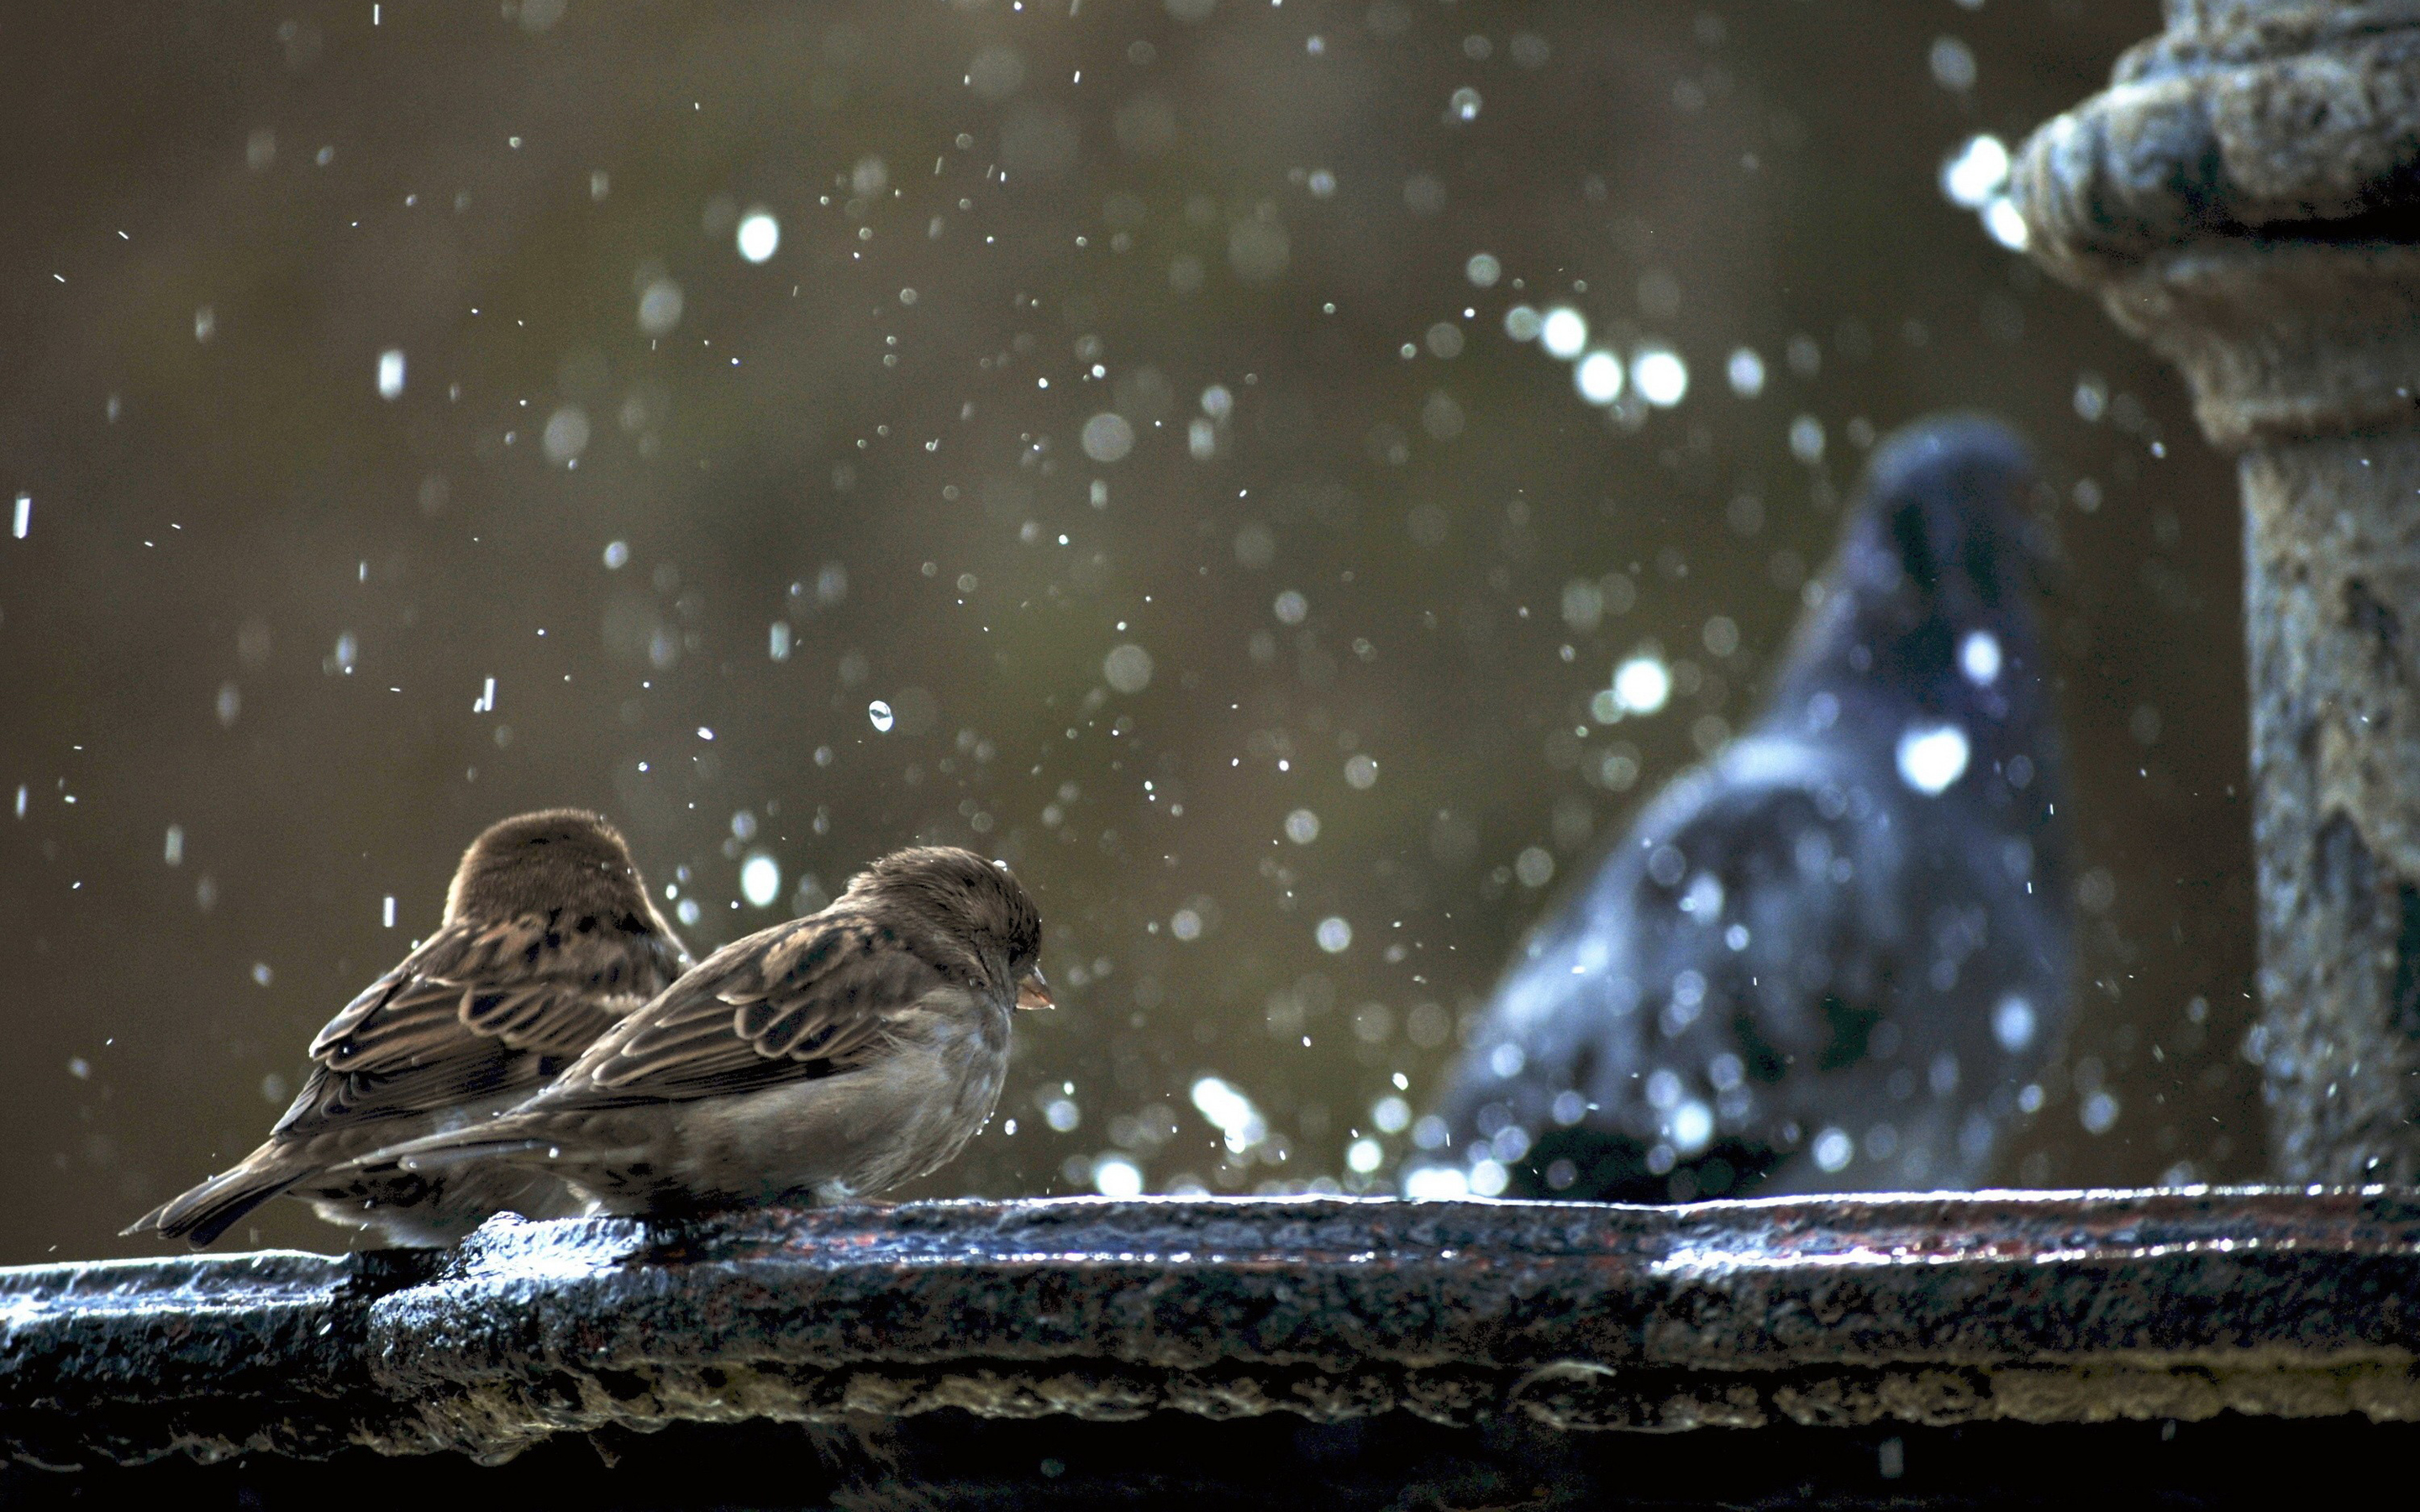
2245 196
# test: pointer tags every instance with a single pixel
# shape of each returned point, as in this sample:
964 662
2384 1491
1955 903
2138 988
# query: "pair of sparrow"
551 1051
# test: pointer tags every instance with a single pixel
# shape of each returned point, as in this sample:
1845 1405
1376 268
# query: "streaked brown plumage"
547 940
832 1056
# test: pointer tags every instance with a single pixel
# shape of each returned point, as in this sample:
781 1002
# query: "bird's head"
1931 596
1943 519
963 898
556 858
1930 604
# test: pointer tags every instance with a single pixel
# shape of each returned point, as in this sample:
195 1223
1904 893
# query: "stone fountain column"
2245 196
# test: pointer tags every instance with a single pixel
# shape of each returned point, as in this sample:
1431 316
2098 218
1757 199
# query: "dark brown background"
326 189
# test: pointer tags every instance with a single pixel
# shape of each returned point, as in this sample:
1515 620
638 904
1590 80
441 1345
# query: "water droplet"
1662 379
2012 1023
566 436
759 236
2005 223
659 307
1745 371
880 714
1643 685
1931 757
1127 669
1976 172
1978 658
1564 333
1953 64
1107 438
1599 377
2098 1113
1692 1127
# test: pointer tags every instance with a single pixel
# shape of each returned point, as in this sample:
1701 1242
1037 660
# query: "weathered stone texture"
2047 1308
2243 197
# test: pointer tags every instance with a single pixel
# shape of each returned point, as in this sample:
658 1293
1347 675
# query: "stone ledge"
2035 1308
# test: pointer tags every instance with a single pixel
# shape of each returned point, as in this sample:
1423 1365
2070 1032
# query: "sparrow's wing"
477 1011
806 999
1739 939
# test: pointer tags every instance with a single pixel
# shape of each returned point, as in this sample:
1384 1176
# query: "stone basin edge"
2051 1307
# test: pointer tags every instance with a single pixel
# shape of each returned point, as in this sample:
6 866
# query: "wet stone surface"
1862 1314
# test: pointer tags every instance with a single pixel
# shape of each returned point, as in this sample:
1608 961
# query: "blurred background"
1112 434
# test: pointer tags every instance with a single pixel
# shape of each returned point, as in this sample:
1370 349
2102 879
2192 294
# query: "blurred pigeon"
1826 960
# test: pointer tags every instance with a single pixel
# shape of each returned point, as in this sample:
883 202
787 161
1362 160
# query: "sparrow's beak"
1032 992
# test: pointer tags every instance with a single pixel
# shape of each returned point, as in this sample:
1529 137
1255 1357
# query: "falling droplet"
1564 333
759 236
1931 757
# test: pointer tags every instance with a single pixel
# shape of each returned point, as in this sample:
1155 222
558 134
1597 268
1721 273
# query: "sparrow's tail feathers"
202 1215
148 1223
435 1153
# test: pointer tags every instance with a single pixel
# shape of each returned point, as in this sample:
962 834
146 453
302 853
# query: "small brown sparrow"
547 940
829 1058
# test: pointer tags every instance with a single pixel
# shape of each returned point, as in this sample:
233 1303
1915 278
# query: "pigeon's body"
547 941
830 1057
1827 959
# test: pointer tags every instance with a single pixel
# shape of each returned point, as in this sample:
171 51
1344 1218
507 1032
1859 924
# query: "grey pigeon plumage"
1827 959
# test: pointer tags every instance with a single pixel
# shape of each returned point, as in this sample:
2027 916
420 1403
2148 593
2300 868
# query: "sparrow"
827 1058
1828 959
547 940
